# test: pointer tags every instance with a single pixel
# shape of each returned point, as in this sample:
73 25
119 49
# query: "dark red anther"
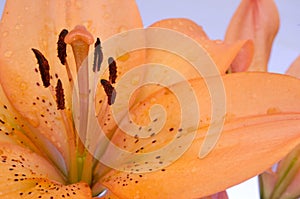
109 90
60 96
112 70
43 67
98 56
62 46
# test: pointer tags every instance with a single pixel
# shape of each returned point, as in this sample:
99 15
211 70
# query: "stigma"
80 39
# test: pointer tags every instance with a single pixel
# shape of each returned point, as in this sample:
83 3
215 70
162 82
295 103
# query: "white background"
214 16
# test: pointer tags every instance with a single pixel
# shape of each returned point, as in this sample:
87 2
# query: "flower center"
81 162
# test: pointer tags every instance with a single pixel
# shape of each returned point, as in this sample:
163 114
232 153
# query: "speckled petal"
24 174
37 25
261 123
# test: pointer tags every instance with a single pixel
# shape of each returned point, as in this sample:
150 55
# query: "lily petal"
294 69
269 127
257 20
220 195
237 53
37 25
26 174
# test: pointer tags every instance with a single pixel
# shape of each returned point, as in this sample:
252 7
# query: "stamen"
80 40
60 97
43 67
62 53
112 70
58 93
109 90
62 47
98 56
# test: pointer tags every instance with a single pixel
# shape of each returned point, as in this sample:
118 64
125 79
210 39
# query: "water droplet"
68 3
273 110
191 28
18 26
32 118
122 29
2 117
23 86
8 53
53 139
78 5
124 57
4 34
106 16
88 24
26 8
135 80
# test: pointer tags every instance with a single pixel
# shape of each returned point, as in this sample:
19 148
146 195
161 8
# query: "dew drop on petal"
4 34
135 80
18 26
78 5
122 29
23 86
124 57
32 118
191 28
8 53
106 16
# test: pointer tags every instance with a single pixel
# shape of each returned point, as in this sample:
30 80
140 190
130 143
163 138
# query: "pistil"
80 40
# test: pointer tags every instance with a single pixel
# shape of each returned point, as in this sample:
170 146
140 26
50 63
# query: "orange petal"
224 55
37 25
183 25
220 195
294 69
25 174
44 188
259 21
261 123
18 131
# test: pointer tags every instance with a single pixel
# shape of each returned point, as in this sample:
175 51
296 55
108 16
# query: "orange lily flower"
51 142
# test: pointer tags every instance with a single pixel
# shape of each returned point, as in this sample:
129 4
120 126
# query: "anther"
43 67
62 47
98 56
112 70
60 97
109 90
80 40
